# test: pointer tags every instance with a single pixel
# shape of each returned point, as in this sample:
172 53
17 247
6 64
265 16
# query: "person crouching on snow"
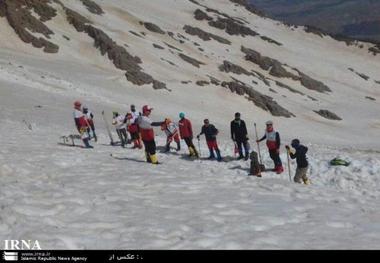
210 133
171 131
299 154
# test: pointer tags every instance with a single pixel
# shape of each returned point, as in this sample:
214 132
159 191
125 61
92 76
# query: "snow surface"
72 198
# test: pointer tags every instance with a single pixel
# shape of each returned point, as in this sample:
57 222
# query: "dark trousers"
189 142
135 135
93 132
122 133
150 147
240 145
275 157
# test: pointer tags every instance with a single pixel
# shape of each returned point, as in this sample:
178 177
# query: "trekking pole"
258 144
199 147
287 153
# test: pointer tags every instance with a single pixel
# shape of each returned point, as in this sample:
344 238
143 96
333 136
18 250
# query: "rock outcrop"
200 15
192 61
153 28
277 69
249 6
92 7
328 115
231 27
20 18
230 67
116 53
262 101
206 36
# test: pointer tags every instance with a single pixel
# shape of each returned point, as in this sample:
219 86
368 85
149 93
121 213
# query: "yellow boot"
307 181
153 158
191 151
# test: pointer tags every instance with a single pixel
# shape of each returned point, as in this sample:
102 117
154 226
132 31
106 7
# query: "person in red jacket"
81 123
186 133
147 134
133 128
273 144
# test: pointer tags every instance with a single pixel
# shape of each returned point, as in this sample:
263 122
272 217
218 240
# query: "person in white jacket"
171 131
119 122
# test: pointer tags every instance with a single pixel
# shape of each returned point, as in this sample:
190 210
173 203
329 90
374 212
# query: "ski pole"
258 144
287 153
199 147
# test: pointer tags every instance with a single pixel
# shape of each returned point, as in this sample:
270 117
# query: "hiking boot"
279 169
307 181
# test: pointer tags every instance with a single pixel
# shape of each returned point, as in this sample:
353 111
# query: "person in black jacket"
302 164
239 135
210 133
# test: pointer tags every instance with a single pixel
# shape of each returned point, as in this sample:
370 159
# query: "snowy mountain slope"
71 198
335 64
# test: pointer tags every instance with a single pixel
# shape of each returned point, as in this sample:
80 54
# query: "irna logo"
21 245
10 256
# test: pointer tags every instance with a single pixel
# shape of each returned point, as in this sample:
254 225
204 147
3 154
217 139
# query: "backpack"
337 161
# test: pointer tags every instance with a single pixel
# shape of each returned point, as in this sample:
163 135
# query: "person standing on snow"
81 124
299 154
171 131
186 133
121 127
210 133
147 134
239 135
90 119
133 130
273 144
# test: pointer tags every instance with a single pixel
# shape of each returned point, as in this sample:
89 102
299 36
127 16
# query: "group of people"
127 123
140 127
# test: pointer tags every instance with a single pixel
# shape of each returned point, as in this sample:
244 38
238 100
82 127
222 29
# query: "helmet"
269 123
295 143
146 108
77 103
182 115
